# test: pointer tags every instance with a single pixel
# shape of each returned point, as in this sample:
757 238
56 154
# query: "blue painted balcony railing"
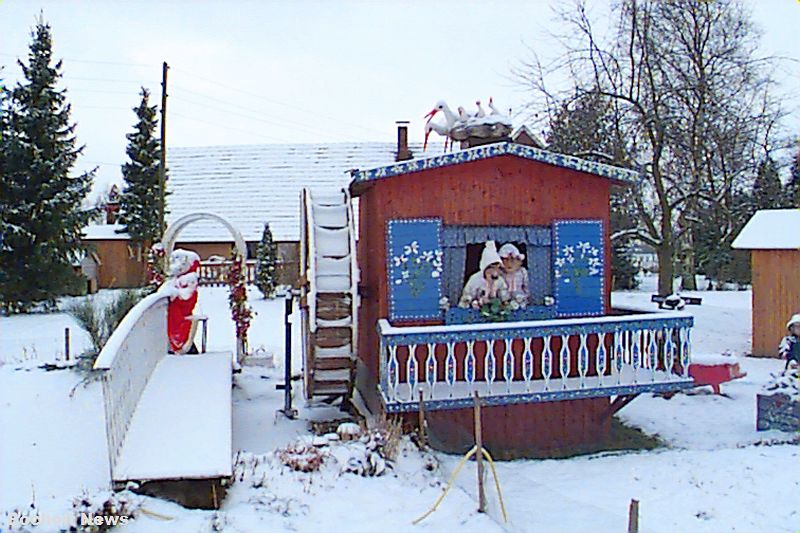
534 361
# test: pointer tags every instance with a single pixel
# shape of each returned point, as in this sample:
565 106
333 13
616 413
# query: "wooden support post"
66 343
479 454
423 438
633 517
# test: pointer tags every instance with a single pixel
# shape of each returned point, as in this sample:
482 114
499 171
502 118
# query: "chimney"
403 153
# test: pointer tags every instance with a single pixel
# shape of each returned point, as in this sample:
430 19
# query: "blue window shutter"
414 266
579 267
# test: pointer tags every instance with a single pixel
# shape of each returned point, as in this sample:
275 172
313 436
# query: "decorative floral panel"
414 268
578 267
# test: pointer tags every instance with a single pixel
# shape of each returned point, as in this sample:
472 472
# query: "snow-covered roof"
104 232
253 184
771 229
489 151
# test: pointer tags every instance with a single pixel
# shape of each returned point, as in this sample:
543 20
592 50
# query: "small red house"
551 374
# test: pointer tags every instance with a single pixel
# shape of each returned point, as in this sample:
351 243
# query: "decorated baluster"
469 364
431 368
508 364
411 371
547 362
686 345
628 338
450 366
563 360
394 375
636 354
601 358
489 365
583 359
619 353
669 355
527 364
652 352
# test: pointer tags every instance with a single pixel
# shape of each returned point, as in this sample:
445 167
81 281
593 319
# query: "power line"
92 61
274 122
210 123
316 114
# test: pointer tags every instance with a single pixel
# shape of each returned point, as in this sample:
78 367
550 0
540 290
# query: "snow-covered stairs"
330 295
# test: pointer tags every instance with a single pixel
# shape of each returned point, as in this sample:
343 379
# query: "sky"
254 72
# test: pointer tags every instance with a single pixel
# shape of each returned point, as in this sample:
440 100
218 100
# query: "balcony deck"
535 361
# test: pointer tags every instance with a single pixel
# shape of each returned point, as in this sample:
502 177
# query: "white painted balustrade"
127 362
535 361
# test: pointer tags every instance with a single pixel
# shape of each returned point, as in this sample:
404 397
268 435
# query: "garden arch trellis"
175 229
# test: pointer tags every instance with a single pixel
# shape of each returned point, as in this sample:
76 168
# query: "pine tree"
266 260
140 196
582 127
41 201
767 188
793 187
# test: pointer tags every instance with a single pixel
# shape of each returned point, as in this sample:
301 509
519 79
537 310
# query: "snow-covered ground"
716 473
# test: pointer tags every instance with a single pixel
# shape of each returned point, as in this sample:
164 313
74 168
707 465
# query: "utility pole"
162 173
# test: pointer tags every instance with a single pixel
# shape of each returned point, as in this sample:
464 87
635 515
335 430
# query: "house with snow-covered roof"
773 238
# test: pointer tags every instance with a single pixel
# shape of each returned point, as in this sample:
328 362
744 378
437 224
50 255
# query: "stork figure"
481 113
450 120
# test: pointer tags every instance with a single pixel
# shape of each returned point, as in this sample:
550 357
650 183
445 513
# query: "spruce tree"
793 187
767 188
140 196
266 263
41 201
583 127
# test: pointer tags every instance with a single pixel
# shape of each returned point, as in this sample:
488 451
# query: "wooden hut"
551 374
773 237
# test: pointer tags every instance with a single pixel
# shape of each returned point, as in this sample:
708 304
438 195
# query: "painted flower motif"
415 266
575 263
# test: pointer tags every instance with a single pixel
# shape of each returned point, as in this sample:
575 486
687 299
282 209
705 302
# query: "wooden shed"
550 374
119 264
773 237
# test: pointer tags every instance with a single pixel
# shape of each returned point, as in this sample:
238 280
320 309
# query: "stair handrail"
355 274
312 262
127 361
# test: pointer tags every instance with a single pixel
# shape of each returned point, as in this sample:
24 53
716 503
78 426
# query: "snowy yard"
716 473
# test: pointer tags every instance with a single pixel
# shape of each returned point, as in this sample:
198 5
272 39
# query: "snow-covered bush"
101 317
103 511
302 456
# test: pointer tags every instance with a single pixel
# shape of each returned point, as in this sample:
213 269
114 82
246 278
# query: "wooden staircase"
329 296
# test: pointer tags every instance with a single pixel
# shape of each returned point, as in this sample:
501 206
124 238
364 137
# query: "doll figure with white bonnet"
514 274
487 283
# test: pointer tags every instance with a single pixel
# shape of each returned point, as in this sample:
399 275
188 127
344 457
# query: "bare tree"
691 103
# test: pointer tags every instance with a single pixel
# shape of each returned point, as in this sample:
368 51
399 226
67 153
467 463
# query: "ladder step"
329 266
330 216
322 376
333 309
331 363
327 199
332 337
338 323
333 284
340 351
329 389
332 242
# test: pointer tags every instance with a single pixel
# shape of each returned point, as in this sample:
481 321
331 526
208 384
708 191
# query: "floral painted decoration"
415 266
577 262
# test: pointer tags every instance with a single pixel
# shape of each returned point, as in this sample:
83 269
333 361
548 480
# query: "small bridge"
168 417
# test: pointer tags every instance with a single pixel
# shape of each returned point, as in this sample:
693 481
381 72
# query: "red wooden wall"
499 191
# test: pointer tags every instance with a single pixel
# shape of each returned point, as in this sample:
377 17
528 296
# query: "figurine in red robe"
184 266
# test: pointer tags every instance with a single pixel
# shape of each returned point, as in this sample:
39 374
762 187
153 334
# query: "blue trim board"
534 330
535 397
495 150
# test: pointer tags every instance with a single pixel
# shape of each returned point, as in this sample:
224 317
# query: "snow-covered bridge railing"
535 361
127 360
